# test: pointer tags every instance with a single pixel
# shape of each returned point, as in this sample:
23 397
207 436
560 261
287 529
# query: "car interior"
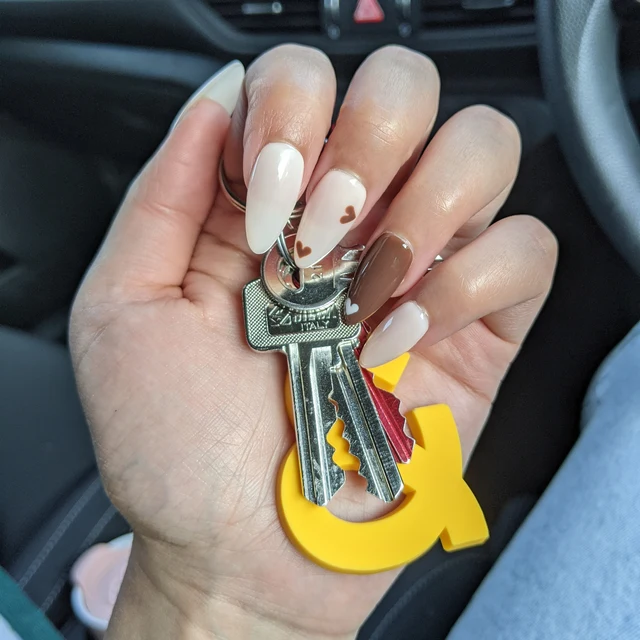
88 90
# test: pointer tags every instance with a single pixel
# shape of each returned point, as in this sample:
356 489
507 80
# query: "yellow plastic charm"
437 501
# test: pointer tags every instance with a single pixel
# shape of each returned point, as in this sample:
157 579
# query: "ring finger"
460 183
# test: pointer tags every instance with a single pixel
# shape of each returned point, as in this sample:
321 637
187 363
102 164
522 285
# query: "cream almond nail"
395 335
272 194
333 207
223 87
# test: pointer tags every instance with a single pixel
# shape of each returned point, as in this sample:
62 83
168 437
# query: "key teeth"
345 431
353 450
352 445
371 488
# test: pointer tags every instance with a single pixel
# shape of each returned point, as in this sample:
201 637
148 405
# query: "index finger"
277 134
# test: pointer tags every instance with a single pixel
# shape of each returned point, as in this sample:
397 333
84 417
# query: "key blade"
365 433
314 415
385 461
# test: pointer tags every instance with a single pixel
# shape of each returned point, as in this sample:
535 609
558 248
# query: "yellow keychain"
437 502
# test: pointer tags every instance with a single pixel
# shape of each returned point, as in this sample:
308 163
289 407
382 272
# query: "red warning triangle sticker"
368 11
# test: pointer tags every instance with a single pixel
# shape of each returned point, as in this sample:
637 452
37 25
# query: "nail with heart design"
332 209
350 215
350 307
380 272
301 250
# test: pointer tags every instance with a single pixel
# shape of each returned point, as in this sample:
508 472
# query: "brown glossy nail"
381 270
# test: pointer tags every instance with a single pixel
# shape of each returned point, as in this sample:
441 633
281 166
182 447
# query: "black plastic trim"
107 99
174 69
193 26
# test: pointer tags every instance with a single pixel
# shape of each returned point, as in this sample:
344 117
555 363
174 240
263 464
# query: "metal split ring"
239 204
436 261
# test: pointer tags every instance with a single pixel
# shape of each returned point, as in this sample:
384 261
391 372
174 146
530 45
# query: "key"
308 336
363 428
303 319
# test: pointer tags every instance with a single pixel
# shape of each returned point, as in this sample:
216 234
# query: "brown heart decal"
302 250
350 215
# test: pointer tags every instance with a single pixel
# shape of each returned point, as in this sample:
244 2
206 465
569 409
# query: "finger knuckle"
400 56
471 287
291 64
543 238
387 133
268 120
541 247
485 138
489 120
300 52
411 76
467 284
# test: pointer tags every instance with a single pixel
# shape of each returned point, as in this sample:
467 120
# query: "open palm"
189 424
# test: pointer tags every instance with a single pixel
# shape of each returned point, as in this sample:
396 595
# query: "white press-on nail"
272 194
396 334
223 87
332 209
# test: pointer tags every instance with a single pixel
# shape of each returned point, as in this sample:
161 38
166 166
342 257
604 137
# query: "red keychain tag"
388 408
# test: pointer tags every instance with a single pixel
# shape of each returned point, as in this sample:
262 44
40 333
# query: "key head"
317 286
271 326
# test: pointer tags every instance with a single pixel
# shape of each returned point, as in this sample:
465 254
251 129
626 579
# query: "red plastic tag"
388 407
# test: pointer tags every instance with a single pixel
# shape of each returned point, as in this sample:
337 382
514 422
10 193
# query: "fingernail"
223 87
379 274
395 335
332 209
272 194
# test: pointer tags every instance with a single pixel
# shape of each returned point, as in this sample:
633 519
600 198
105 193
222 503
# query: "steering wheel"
579 63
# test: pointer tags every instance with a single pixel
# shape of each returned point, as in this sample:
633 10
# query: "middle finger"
384 122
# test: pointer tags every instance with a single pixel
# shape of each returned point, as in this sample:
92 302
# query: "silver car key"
308 336
302 318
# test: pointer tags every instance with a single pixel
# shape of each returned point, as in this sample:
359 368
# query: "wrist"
154 603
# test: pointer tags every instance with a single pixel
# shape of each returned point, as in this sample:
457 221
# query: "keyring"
231 197
436 261
242 206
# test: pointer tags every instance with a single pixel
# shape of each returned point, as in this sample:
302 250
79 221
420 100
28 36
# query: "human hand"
189 424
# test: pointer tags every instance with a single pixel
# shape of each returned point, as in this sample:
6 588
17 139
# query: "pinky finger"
503 277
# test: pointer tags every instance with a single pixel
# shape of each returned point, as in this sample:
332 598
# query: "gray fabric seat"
52 505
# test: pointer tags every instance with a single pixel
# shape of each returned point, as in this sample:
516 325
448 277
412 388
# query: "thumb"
152 239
